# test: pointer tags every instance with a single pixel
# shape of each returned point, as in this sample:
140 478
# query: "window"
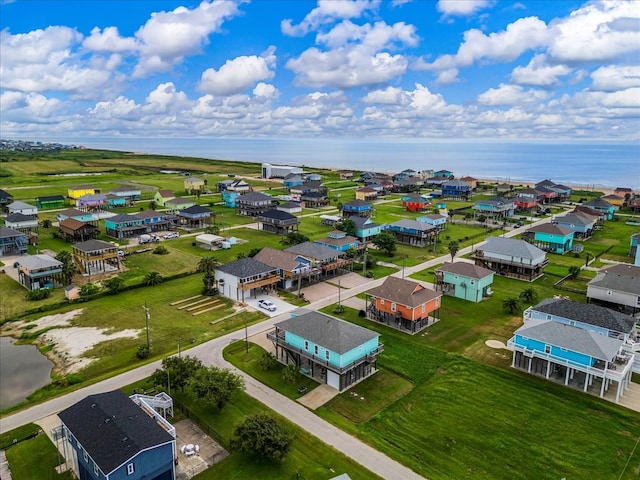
393 307
85 456
326 354
424 307
572 323
306 345
95 469
130 469
382 301
315 349
548 317
547 349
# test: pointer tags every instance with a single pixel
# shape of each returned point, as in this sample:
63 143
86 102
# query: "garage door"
333 379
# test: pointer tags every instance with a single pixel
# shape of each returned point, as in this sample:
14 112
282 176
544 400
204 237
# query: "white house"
23 208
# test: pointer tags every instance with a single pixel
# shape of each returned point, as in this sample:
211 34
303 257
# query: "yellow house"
193 183
162 196
615 200
74 193
366 193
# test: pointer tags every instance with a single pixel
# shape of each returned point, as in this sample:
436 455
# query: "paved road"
211 354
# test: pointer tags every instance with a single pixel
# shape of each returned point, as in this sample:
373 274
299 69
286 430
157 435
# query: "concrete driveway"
281 305
319 291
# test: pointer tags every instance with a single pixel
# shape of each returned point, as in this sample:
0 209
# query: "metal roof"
587 313
326 331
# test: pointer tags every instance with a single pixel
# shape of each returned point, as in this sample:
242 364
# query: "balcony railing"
279 339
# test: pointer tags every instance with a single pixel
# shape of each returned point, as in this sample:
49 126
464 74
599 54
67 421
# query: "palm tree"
574 270
453 248
153 278
207 265
529 295
511 305
69 267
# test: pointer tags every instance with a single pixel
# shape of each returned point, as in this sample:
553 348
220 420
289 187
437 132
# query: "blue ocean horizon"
591 164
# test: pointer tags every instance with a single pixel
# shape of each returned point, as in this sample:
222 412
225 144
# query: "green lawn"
35 458
473 416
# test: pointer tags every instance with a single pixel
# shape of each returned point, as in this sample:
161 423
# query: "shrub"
160 250
143 351
38 294
268 361
362 314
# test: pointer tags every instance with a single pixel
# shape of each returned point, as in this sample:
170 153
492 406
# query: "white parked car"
267 305
171 235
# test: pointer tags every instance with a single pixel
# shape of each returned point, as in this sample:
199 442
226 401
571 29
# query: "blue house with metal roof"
327 349
581 225
575 343
124 226
110 437
360 208
366 229
12 242
412 232
550 238
195 216
494 208
339 240
600 205
456 189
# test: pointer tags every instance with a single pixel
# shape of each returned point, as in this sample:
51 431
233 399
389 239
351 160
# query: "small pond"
23 370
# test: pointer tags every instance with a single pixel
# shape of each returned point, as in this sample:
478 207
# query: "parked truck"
148 239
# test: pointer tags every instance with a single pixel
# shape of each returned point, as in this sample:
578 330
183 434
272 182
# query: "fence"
204 426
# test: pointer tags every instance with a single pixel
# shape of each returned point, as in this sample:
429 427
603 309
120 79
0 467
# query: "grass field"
469 418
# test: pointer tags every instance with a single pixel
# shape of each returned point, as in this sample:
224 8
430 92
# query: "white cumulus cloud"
510 95
238 74
327 11
615 77
461 7
539 73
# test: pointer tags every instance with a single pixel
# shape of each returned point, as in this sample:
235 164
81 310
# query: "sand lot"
70 343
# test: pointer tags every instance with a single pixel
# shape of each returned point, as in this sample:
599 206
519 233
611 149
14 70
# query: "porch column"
513 360
548 368
566 377
602 386
586 382
618 391
573 371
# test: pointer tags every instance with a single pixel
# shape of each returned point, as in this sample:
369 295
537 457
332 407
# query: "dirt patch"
69 343
495 344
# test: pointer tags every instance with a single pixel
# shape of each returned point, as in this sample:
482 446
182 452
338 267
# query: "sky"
429 69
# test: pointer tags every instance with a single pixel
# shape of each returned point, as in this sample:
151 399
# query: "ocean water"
588 163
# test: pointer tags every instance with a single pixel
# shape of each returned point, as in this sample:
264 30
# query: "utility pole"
246 331
147 317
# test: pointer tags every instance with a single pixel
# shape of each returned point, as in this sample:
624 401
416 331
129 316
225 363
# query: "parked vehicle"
147 239
171 235
267 305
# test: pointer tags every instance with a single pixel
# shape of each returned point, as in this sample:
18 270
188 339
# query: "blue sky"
366 68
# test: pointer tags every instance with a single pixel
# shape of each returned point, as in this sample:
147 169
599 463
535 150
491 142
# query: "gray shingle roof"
93 246
573 219
19 217
412 224
124 218
574 339
622 278
466 269
361 222
277 215
18 205
598 203
587 313
6 232
277 258
404 292
33 262
195 210
313 250
245 267
551 229
254 197
72 212
112 428
327 331
511 247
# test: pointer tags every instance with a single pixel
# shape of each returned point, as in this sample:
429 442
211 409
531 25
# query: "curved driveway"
211 354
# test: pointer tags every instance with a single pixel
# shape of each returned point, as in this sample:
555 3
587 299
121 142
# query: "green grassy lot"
309 457
168 327
35 458
472 416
